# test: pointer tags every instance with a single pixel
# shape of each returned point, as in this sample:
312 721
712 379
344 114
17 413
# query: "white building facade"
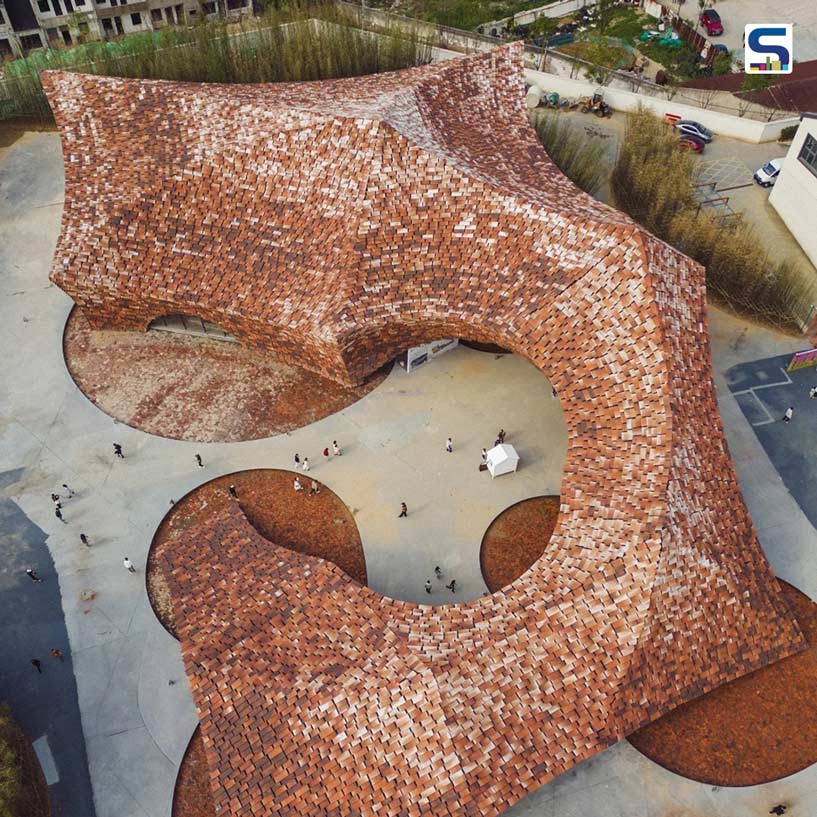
794 194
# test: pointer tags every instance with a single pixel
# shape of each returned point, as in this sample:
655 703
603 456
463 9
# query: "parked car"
767 175
711 21
690 128
691 143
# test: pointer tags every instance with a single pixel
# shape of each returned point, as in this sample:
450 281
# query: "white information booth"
502 459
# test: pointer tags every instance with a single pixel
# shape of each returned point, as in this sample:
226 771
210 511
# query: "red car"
711 21
690 143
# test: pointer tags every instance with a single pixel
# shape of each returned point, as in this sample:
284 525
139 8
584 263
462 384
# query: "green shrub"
582 161
654 182
282 45
787 134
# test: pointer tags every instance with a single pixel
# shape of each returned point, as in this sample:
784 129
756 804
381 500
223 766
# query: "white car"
767 175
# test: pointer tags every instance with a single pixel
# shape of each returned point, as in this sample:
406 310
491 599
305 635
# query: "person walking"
335 448
58 514
68 490
55 498
56 652
198 460
128 565
501 436
297 485
438 572
484 455
449 445
403 510
326 453
32 575
117 450
35 662
428 586
314 488
788 415
452 585
233 492
297 461
84 539
305 466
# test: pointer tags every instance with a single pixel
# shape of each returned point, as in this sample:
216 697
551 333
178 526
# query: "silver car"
696 129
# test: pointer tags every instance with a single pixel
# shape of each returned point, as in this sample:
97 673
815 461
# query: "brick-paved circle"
193 388
319 525
515 539
756 729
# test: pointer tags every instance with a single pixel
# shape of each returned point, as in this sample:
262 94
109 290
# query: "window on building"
136 18
5 49
208 8
808 153
156 15
107 25
84 28
44 6
179 12
120 29
79 2
235 4
66 36
29 42
55 4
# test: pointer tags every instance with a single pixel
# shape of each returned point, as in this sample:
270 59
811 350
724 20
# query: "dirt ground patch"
192 796
191 388
319 525
758 728
516 539
23 784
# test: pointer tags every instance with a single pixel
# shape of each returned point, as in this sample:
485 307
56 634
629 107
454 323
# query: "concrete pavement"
136 723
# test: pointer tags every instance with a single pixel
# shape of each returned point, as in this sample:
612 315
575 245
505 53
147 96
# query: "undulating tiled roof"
339 223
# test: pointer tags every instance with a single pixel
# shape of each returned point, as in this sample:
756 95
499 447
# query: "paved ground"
136 723
764 390
31 624
737 13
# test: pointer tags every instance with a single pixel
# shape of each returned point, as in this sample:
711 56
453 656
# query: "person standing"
428 586
449 445
326 453
32 575
233 492
35 662
84 539
56 652
501 436
812 392
403 510
117 450
306 464
484 455
55 498
198 460
788 415
438 572
128 565
297 485
68 490
314 488
452 585
335 448
297 460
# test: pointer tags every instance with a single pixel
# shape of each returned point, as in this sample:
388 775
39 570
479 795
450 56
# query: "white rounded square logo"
769 48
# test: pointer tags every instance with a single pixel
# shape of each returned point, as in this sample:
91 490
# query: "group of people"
303 465
789 412
438 573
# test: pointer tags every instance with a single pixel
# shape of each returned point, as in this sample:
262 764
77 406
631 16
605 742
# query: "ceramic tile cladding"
338 223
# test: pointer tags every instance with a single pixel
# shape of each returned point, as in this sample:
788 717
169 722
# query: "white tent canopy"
502 459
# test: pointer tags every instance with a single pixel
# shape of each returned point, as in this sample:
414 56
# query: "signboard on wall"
418 355
802 360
